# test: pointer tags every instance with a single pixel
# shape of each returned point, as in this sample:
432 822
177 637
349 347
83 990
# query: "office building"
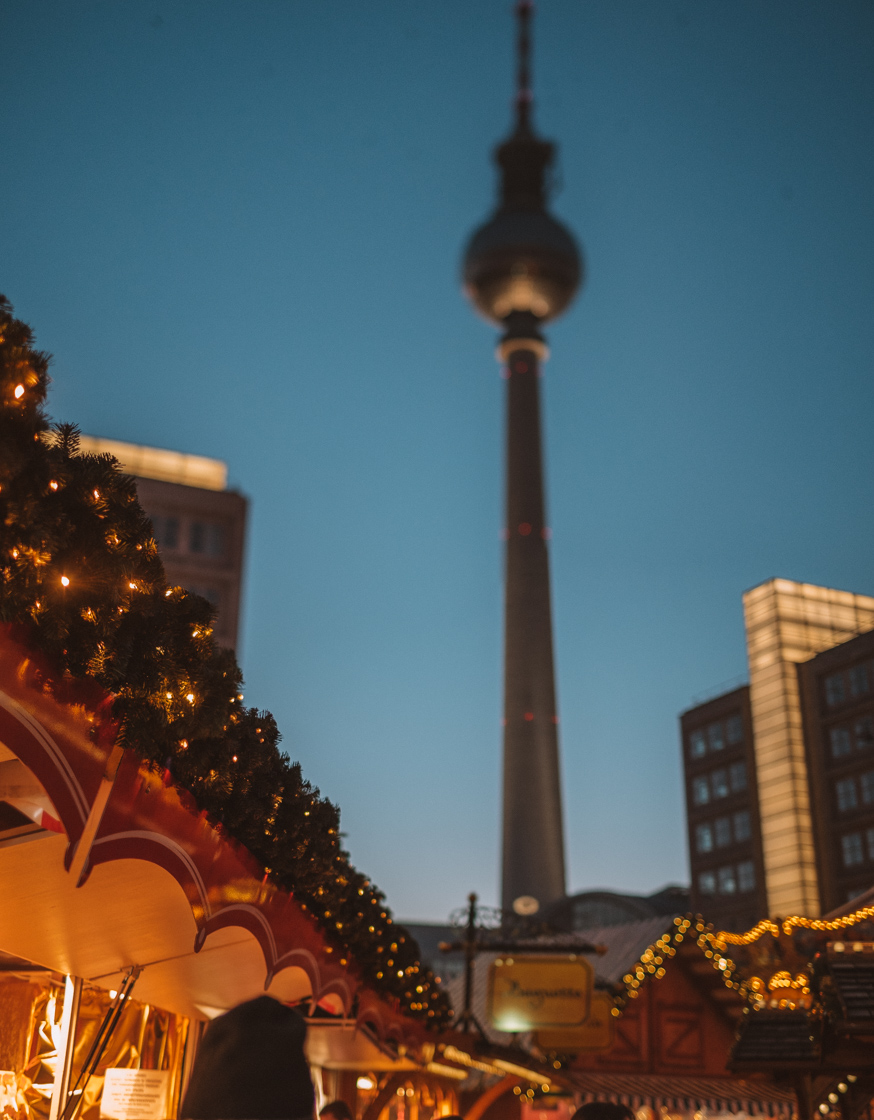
762 800
199 524
837 699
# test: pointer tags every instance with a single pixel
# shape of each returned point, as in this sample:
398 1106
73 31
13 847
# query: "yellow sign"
595 1034
527 993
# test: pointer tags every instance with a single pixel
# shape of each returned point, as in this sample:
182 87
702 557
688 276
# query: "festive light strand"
84 585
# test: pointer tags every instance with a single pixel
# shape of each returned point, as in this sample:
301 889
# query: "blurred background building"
779 773
199 524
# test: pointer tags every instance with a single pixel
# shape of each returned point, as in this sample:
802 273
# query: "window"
714 735
734 730
834 689
845 790
166 530
722 829
851 849
746 876
697 745
742 829
704 838
206 537
719 779
867 784
869 836
864 731
215 540
707 882
738 772
840 740
727 881
859 680
197 536
700 791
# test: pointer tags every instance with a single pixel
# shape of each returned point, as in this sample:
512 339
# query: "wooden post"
804 1096
66 1043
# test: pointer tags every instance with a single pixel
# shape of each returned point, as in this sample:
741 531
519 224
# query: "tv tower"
521 269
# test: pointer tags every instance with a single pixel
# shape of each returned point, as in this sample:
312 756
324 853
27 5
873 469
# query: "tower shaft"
533 840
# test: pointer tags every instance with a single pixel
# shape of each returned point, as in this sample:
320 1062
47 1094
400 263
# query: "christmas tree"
82 582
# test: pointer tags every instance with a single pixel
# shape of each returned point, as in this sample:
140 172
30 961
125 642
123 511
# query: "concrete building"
837 703
522 269
199 524
761 800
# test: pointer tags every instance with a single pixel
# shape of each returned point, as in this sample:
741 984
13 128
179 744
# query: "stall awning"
686 1094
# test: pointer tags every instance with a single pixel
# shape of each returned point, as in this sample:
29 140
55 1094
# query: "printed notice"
135 1094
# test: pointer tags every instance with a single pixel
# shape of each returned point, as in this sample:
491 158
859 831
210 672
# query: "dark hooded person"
335 1110
250 1065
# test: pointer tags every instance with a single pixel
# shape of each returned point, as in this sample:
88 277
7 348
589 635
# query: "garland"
81 573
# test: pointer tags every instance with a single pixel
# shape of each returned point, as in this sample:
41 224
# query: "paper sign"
530 992
135 1094
596 1033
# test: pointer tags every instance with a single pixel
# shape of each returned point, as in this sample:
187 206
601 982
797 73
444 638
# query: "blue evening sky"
237 226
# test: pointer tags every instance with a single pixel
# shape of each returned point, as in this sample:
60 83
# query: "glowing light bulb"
190 697
234 759
65 581
19 392
132 586
53 485
97 494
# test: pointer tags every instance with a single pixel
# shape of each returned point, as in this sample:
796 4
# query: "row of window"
719 783
855 846
860 736
848 685
716 736
852 792
206 538
729 880
723 831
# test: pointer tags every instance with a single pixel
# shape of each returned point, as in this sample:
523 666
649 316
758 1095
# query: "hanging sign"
135 1094
526 993
596 1033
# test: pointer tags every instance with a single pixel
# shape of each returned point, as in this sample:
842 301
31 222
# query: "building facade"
199 524
722 815
765 828
837 696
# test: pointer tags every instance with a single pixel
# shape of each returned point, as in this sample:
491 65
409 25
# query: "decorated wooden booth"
160 859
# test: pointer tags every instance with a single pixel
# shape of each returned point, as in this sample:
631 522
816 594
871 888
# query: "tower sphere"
522 258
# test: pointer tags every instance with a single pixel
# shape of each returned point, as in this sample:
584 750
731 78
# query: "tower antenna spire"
524 95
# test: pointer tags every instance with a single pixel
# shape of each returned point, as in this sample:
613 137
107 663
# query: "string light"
295 829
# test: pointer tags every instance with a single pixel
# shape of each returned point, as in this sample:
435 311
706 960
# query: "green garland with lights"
651 964
82 581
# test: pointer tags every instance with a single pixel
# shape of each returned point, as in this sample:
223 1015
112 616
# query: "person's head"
335 1110
603 1110
250 1065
